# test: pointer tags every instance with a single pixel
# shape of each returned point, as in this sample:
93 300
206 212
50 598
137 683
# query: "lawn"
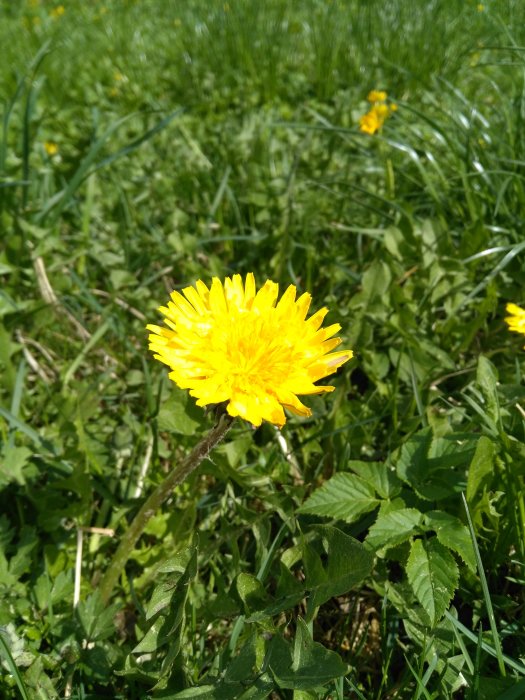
373 549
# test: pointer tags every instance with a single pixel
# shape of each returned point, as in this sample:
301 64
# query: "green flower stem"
155 501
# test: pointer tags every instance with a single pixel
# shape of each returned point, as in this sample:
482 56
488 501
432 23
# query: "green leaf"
344 496
413 457
310 665
433 574
179 414
376 280
481 468
348 563
96 619
487 379
166 609
12 464
452 533
433 466
379 476
251 592
177 566
394 527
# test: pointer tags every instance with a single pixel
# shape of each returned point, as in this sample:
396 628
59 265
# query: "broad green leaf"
165 612
453 534
308 666
433 466
177 566
402 597
251 592
247 663
179 414
481 468
96 618
379 476
394 527
12 463
433 574
20 562
344 496
376 280
410 465
348 563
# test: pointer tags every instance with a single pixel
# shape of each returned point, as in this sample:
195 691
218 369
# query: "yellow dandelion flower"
382 111
480 7
372 121
57 11
233 344
50 148
516 320
376 96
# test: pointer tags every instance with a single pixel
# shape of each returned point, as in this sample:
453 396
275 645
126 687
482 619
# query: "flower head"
374 119
516 320
376 96
50 148
57 11
380 110
233 344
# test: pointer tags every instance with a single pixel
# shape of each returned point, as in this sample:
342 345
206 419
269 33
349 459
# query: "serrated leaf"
96 619
382 479
348 563
481 467
394 527
433 574
344 496
12 464
452 533
310 665
181 567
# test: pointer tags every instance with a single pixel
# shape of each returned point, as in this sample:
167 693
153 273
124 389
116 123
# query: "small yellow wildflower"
480 7
516 320
57 11
50 148
382 110
371 122
376 96
230 344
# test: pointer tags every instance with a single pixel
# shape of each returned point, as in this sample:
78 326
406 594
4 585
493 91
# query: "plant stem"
156 499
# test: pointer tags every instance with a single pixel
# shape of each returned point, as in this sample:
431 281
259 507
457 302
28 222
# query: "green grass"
201 139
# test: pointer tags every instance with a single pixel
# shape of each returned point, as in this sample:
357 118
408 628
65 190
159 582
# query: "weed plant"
375 550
